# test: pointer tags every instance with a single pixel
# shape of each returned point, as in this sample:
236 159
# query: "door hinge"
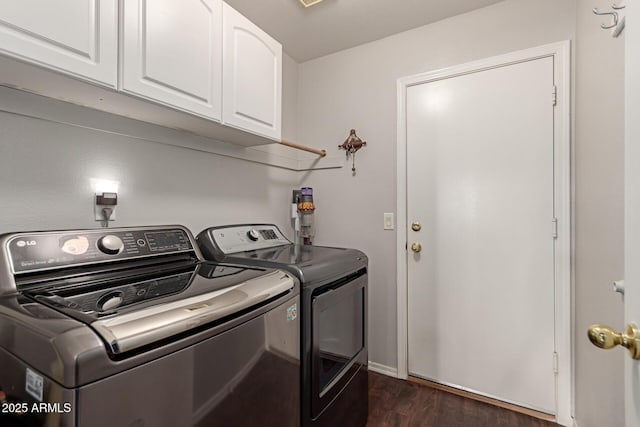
554 228
554 96
555 362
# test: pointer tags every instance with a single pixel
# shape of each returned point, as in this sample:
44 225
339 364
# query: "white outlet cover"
99 215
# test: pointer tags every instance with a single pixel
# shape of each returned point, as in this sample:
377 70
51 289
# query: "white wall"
45 172
46 167
599 228
356 88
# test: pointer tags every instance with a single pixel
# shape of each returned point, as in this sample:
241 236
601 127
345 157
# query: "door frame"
562 204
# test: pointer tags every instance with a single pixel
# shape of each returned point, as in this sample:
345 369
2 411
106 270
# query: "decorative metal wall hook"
617 26
613 14
352 144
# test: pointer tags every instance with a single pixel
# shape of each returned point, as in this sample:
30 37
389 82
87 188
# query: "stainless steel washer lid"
146 326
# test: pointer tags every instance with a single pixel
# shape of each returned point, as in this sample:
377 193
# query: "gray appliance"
128 327
334 315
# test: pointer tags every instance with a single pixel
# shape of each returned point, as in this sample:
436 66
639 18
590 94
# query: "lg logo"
23 243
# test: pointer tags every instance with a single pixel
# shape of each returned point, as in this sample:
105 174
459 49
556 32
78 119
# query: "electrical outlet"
388 221
99 215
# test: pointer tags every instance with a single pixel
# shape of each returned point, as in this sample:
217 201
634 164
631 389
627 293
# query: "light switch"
388 221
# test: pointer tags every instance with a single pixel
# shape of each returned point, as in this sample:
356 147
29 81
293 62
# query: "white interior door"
632 205
480 181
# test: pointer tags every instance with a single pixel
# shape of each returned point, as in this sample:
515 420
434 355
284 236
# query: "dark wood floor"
395 403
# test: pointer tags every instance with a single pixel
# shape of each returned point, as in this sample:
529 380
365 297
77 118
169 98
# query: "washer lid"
149 325
129 311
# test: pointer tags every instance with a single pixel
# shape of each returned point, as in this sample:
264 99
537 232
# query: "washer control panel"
247 237
29 252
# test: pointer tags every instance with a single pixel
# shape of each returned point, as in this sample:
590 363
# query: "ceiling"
334 25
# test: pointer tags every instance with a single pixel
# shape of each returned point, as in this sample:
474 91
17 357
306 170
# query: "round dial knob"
253 234
110 301
110 244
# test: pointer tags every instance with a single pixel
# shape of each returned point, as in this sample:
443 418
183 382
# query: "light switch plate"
388 221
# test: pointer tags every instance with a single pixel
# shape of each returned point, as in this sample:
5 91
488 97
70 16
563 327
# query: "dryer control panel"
246 237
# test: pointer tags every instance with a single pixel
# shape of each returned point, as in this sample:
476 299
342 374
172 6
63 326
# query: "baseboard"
575 423
483 398
383 369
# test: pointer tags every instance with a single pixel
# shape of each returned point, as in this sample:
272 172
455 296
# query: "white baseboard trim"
383 369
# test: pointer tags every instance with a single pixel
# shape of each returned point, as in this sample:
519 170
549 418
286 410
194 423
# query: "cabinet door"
74 37
252 93
172 52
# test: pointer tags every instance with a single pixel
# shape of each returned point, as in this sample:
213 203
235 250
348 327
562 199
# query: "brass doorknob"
416 247
605 337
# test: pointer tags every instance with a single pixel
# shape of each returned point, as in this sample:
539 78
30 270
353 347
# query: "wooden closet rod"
320 153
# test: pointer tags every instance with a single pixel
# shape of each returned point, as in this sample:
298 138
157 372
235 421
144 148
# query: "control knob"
110 244
253 234
110 301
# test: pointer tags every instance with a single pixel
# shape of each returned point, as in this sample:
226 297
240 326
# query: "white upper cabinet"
197 61
172 52
252 91
70 36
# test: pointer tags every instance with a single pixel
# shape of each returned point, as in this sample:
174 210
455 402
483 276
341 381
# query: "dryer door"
339 339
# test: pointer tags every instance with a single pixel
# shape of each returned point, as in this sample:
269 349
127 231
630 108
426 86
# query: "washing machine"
130 327
334 378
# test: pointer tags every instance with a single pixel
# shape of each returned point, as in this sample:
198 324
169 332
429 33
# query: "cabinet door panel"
74 37
172 53
252 95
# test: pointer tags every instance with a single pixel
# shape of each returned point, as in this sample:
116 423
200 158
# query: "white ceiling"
334 25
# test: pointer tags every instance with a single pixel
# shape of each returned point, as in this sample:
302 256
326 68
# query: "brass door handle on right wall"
605 337
416 247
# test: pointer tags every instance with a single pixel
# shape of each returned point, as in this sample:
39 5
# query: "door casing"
562 201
